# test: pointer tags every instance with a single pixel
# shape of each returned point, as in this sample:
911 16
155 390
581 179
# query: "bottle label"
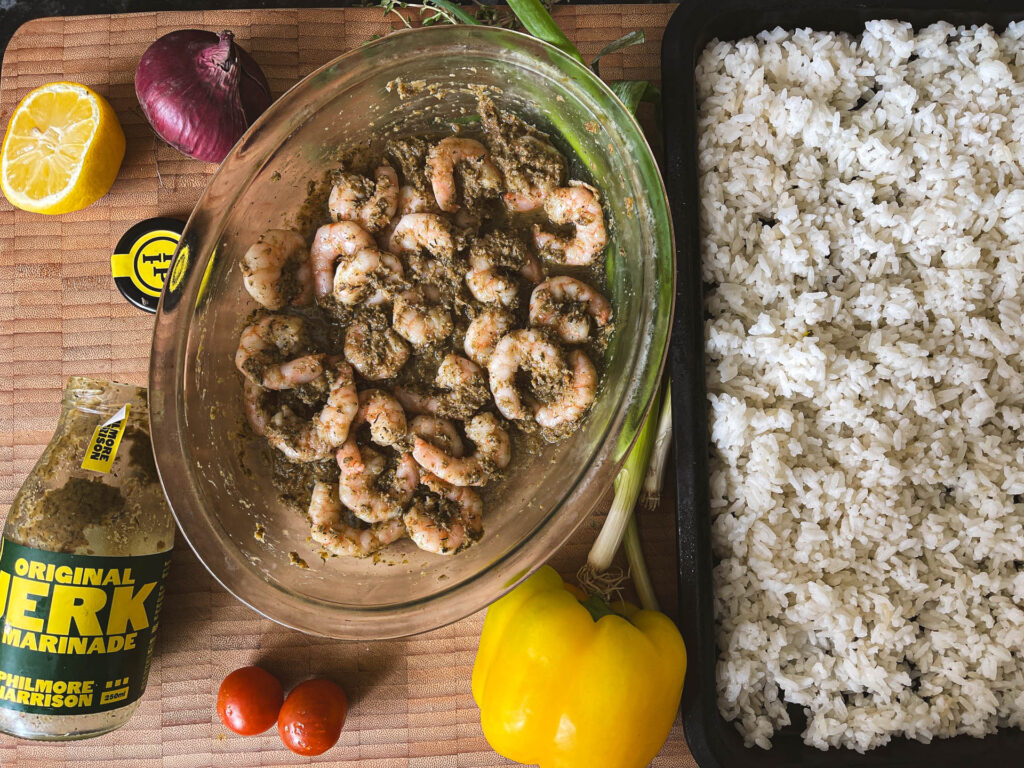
78 630
102 448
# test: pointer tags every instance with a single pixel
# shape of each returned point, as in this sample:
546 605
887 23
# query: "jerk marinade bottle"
84 554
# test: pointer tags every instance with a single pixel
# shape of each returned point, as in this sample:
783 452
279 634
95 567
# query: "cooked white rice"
862 206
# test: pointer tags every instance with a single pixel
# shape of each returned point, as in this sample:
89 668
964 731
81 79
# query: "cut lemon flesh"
62 149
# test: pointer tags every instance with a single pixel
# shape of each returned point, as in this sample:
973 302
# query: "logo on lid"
142 260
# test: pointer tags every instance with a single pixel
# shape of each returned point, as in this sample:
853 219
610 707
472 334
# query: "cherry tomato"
312 716
249 699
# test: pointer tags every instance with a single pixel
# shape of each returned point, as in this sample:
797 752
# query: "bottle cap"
142 259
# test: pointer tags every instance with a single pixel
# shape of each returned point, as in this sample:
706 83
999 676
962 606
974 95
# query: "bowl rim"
507 570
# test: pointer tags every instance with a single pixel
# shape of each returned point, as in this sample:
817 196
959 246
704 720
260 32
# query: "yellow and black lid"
142 260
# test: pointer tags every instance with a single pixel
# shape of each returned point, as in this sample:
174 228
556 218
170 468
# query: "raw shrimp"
332 241
382 411
466 385
494 450
474 160
370 203
369 277
439 432
365 488
456 372
317 438
416 232
576 397
263 344
376 352
335 418
483 334
566 305
296 438
416 402
491 259
420 324
411 200
445 523
532 269
276 270
579 205
329 530
257 407
532 350
488 284
524 202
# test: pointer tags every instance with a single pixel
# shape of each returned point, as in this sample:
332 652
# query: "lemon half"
62 149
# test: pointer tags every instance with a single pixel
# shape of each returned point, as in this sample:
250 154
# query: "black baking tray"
714 742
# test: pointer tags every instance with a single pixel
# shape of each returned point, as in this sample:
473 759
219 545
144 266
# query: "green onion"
638 567
442 11
627 489
636 37
454 9
632 92
663 440
538 22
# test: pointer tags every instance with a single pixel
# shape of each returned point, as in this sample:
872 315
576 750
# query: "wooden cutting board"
61 315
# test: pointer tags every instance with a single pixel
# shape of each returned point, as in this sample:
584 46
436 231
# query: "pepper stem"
226 54
598 607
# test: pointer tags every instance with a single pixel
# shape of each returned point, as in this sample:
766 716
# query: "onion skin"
200 91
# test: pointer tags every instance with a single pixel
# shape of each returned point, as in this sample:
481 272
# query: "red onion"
200 91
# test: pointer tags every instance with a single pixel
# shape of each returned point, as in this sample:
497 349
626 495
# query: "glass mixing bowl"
218 480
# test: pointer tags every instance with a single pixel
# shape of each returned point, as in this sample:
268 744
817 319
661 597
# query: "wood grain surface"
61 315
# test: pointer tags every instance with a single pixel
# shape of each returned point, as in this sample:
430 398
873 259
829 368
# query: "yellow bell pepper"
570 684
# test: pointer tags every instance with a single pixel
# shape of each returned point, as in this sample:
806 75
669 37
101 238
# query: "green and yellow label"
78 630
102 448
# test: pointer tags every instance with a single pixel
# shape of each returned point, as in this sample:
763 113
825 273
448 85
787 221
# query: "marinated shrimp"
439 432
473 160
530 164
579 205
567 305
369 276
374 348
447 519
576 396
262 347
330 243
385 415
314 439
488 284
329 530
368 489
532 351
370 203
419 323
276 270
484 332
417 232
434 336
494 451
